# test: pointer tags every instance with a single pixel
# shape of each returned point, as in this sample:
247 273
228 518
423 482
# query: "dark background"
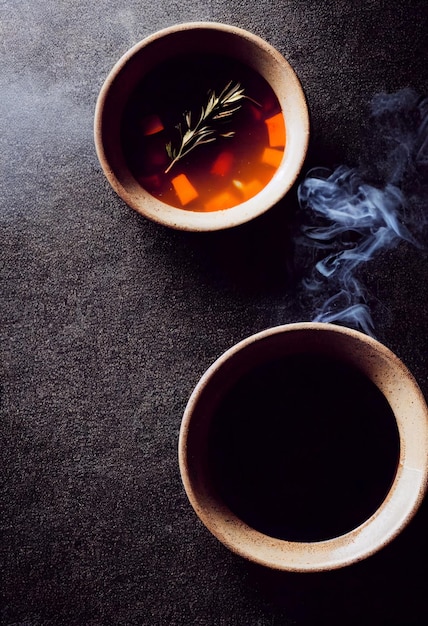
109 320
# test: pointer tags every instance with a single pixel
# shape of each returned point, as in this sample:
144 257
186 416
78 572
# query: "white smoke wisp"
351 219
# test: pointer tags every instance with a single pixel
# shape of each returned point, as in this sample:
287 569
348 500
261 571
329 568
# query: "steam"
354 213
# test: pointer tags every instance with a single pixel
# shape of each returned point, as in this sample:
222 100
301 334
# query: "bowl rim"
200 221
395 512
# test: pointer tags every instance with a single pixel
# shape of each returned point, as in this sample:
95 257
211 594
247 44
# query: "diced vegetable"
222 164
150 182
270 103
256 112
184 189
159 156
151 124
224 200
153 157
272 157
276 130
248 190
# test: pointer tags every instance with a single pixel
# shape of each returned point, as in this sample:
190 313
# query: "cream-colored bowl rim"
401 503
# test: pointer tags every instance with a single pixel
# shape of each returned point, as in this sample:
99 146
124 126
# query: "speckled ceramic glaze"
199 37
398 386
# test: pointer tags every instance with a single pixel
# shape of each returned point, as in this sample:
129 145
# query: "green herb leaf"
218 108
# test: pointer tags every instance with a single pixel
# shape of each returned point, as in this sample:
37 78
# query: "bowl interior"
197 39
408 476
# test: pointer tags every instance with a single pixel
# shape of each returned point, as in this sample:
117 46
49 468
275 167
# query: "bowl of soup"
305 447
201 126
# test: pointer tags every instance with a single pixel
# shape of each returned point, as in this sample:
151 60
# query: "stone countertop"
109 320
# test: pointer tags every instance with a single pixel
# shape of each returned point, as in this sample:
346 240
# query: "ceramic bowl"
196 38
409 474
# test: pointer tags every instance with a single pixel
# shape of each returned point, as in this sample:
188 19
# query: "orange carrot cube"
184 189
222 201
276 130
151 124
272 157
248 190
222 164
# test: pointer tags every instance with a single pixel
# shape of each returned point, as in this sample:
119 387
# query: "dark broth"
216 175
304 449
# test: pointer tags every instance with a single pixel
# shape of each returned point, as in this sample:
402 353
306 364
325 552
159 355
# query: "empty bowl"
305 447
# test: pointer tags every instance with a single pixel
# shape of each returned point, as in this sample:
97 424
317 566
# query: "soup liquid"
212 176
304 449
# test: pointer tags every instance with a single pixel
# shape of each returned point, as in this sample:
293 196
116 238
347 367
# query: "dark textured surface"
109 320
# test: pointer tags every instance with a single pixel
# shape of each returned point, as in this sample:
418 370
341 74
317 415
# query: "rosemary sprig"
218 108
